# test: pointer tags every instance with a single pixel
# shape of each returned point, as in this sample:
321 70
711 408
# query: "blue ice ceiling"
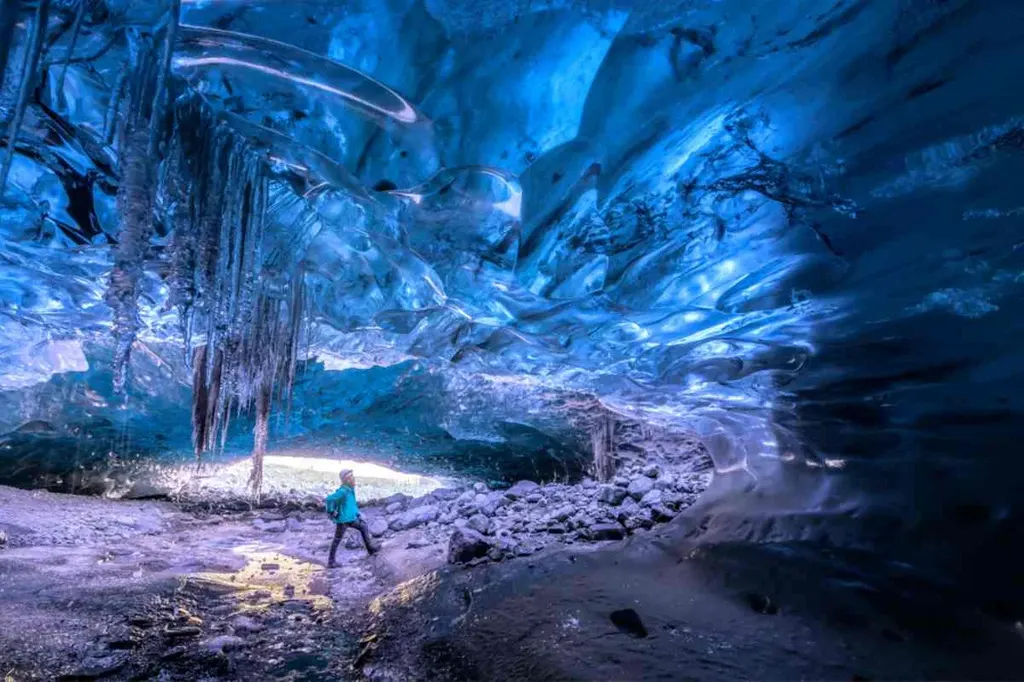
795 227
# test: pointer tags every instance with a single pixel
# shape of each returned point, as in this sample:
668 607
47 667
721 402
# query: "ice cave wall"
792 227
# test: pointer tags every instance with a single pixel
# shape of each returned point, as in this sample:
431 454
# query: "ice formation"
759 224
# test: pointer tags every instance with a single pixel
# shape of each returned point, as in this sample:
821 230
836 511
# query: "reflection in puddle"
270 577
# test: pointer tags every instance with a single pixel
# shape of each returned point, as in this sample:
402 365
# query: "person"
343 510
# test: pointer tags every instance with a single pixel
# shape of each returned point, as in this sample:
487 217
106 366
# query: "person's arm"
333 503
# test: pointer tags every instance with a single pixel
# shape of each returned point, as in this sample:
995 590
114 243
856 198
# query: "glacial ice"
792 228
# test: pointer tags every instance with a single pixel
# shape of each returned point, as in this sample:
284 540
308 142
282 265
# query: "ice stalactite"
242 308
603 441
135 199
8 21
27 83
76 29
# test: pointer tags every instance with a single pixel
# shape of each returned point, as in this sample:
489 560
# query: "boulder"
3 539
466 545
224 643
353 541
606 531
480 487
639 487
661 514
611 494
377 527
652 471
446 494
479 523
621 482
417 542
394 508
651 498
491 503
534 498
414 517
521 489
397 498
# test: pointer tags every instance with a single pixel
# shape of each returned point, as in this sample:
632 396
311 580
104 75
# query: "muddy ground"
93 588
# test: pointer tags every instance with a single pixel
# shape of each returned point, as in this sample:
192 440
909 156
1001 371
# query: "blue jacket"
341 505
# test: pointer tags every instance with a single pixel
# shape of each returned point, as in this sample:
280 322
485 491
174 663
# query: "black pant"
339 533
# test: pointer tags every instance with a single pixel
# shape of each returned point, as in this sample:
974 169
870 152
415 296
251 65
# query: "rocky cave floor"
92 588
536 582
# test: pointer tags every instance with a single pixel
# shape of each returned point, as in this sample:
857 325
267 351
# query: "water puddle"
270 577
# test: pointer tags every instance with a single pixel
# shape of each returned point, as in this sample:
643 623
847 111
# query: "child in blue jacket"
343 510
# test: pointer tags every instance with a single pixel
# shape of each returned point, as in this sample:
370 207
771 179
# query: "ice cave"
511 340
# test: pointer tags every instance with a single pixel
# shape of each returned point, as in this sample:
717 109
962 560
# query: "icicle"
114 105
260 432
170 35
33 53
76 28
603 441
9 11
200 402
135 203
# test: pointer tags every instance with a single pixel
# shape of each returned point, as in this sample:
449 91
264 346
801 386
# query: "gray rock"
353 541
480 487
621 482
394 508
414 517
651 498
492 502
628 509
446 494
246 625
652 471
417 542
687 485
534 498
377 527
606 531
224 643
562 513
97 667
661 514
479 523
270 526
664 483
521 489
588 484
639 487
3 539
397 498
466 545
671 499
610 494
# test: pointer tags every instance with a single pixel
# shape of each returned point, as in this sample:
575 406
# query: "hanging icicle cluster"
242 326
140 129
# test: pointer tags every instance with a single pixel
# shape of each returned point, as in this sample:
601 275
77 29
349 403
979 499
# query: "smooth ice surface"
794 227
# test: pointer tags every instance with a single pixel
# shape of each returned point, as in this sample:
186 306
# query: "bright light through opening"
334 466
296 476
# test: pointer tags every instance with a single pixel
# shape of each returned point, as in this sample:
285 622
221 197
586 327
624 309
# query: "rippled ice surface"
794 229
